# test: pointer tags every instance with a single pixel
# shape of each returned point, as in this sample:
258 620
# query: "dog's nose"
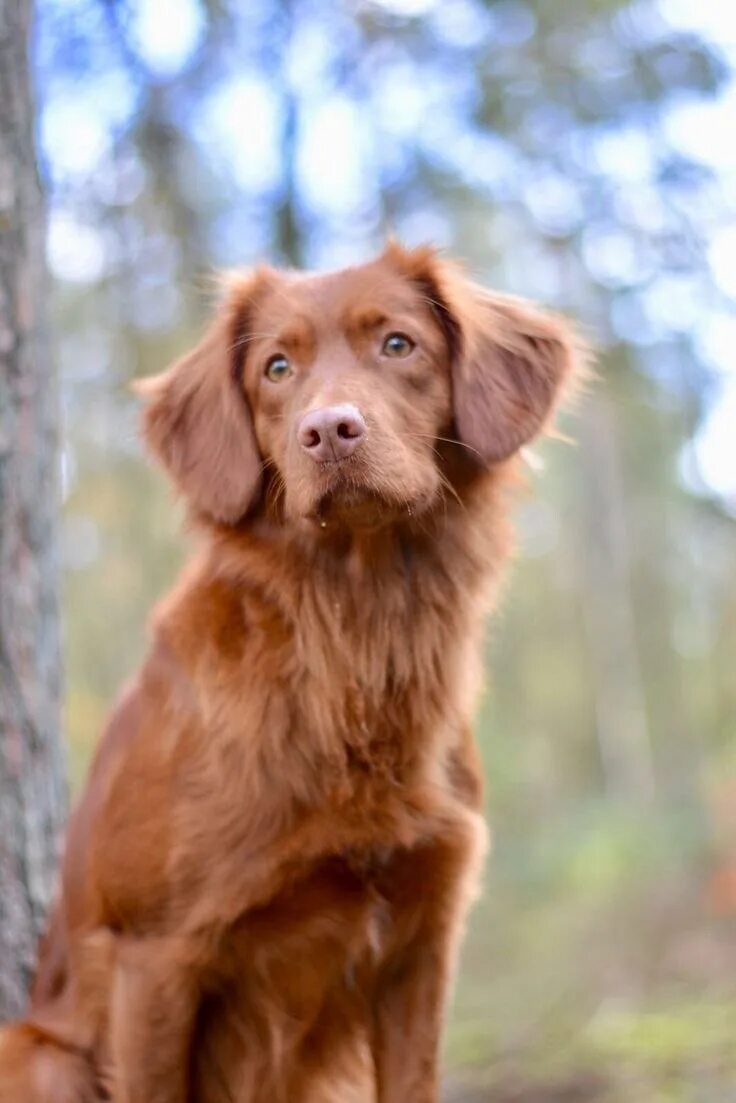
332 432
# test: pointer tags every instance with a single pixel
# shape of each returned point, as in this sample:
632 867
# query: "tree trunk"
621 717
31 759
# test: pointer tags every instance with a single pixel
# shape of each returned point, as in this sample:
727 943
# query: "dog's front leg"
429 896
408 1023
155 997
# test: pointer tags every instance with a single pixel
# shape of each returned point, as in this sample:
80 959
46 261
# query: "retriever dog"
266 879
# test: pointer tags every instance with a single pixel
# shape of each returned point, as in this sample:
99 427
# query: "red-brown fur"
266 878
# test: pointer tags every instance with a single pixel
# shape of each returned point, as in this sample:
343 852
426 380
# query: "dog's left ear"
511 361
512 367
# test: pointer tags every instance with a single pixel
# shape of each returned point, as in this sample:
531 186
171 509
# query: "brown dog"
266 878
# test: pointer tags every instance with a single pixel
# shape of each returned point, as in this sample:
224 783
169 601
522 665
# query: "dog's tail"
37 1067
48 1058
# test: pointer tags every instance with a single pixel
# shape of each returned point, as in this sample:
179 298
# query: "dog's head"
349 391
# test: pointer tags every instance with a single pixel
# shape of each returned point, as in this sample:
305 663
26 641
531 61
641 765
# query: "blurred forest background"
582 152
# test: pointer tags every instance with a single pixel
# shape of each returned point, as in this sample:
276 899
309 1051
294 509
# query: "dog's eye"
397 345
278 368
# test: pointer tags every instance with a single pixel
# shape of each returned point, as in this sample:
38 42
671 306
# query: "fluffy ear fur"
510 361
197 422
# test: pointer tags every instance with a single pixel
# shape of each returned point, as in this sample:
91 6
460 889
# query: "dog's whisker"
446 440
247 338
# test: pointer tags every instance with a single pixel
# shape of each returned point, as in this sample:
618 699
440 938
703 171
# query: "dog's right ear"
197 422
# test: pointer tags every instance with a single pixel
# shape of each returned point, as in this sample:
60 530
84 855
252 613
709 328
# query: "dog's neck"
375 635
467 537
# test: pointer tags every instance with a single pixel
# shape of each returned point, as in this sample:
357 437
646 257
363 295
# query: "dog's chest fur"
341 673
330 695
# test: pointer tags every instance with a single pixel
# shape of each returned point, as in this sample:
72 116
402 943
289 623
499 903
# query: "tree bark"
32 789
